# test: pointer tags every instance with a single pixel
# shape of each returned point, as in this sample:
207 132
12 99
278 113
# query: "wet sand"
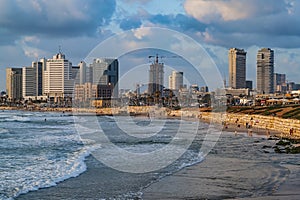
195 183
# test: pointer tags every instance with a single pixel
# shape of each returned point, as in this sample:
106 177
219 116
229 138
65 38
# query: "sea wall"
255 121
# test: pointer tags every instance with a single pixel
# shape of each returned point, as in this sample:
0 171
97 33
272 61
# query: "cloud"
178 22
53 18
130 23
245 23
230 10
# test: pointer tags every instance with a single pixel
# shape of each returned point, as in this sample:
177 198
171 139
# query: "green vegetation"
285 111
292 114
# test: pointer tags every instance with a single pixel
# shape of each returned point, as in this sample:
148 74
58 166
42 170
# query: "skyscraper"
265 71
237 68
14 83
105 71
176 80
58 82
82 72
156 77
33 79
279 81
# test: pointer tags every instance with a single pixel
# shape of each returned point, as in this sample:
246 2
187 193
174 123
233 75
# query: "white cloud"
142 32
214 11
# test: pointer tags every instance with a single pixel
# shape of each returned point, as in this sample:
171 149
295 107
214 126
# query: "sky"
33 29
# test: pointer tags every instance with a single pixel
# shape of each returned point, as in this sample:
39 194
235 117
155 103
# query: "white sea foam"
38 154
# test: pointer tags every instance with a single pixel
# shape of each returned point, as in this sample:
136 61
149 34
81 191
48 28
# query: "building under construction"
156 77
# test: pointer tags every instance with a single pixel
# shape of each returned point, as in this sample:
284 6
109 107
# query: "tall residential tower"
237 68
265 71
14 83
176 80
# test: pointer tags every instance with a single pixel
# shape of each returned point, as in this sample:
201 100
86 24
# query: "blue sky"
32 29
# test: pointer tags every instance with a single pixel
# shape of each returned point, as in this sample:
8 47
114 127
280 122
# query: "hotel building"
58 82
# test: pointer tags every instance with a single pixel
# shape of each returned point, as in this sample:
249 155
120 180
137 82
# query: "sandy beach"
188 183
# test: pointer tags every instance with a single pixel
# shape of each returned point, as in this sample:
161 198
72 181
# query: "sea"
45 149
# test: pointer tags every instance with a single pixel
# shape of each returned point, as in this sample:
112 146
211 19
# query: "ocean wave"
48 174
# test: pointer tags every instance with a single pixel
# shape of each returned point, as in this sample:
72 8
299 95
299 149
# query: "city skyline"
78 26
85 73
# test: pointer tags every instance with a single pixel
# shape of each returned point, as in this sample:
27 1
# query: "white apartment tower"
176 80
237 68
58 82
265 71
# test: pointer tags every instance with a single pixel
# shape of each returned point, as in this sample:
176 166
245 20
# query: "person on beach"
291 131
268 133
250 132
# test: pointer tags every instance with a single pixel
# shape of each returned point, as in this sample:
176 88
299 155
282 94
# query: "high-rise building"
32 80
156 77
176 80
79 73
14 83
82 72
279 81
237 68
105 71
58 82
75 74
265 71
89 74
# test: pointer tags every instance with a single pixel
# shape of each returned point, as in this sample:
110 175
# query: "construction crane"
161 57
